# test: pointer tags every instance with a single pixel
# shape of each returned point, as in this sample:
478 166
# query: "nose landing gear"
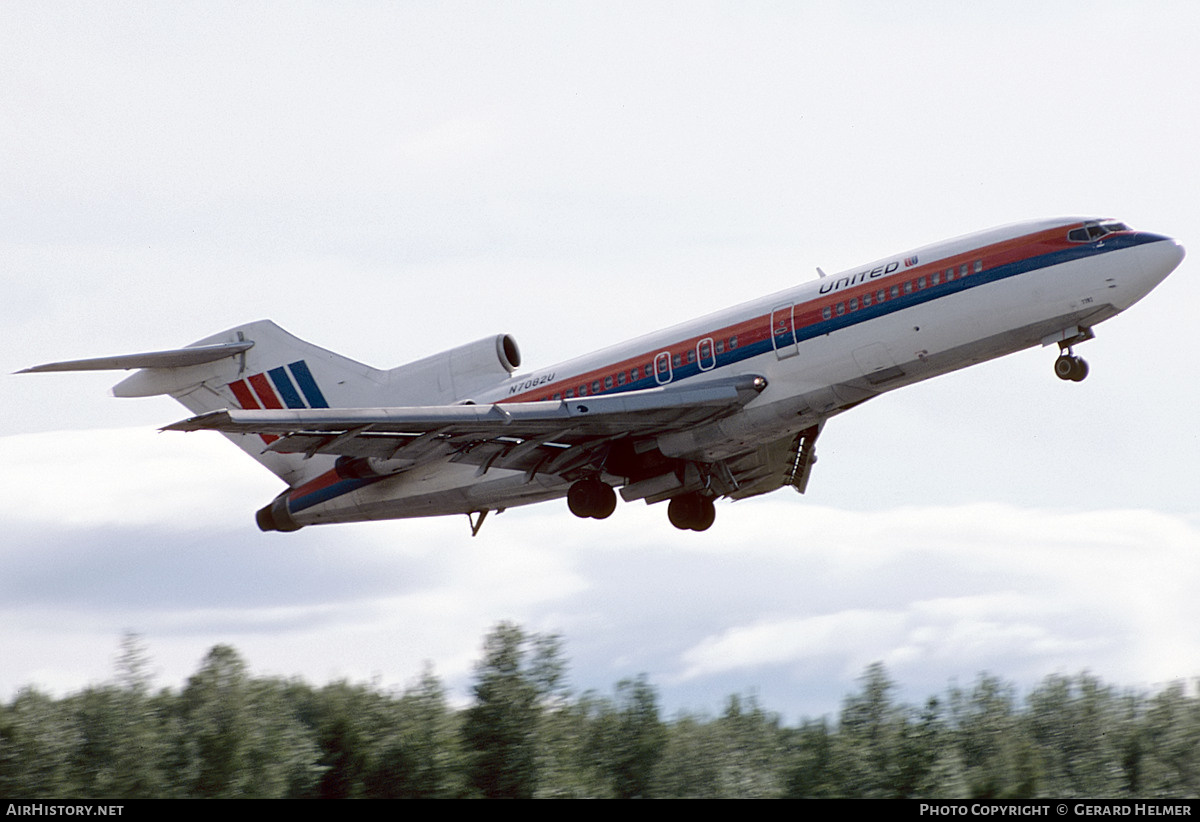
1070 367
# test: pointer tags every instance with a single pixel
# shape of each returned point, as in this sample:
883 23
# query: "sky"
390 180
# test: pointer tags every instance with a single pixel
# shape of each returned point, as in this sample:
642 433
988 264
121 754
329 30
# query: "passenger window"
920 283
720 346
854 303
595 386
935 278
866 299
949 274
662 367
880 295
895 291
978 266
962 270
676 360
908 287
826 313
733 341
841 309
608 382
633 374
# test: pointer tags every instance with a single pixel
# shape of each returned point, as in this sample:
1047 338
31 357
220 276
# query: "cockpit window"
1094 231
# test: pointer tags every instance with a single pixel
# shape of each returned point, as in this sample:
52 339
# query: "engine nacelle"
276 516
455 375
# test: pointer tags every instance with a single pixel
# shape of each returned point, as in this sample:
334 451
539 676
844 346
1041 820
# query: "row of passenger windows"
706 349
882 295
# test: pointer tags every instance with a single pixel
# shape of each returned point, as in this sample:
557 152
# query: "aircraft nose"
1165 255
1157 256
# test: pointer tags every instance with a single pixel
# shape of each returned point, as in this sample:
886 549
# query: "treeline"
227 734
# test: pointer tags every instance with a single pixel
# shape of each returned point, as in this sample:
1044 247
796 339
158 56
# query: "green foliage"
229 734
39 741
626 740
886 750
517 675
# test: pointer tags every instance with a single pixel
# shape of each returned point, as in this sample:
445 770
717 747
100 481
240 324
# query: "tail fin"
277 370
257 365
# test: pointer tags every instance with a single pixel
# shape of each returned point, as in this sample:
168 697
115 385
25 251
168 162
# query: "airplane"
726 406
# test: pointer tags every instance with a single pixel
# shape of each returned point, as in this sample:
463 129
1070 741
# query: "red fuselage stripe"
758 329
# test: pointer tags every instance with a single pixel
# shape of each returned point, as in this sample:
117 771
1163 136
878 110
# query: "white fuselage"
823 347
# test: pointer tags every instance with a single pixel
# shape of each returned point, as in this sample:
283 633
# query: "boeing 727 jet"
726 406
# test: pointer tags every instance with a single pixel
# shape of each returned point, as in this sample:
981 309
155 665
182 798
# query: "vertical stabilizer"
277 370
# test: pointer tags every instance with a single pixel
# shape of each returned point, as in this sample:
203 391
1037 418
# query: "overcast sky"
390 180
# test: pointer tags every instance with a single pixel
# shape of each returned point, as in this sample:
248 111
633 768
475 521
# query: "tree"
1172 734
217 716
811 774
417 755
1070 719
998 758
500 730
885 750
628 738
37 745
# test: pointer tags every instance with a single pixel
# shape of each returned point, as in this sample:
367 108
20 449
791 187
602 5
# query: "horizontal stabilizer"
175 358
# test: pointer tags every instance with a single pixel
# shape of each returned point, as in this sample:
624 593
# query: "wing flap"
786 461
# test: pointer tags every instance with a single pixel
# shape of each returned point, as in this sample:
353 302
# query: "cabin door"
783 331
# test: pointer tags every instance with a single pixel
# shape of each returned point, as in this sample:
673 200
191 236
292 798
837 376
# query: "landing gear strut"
1070 367
691 512
591 498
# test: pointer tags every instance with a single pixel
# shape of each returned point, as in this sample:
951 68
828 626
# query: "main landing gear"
591 498
1070 367
691 512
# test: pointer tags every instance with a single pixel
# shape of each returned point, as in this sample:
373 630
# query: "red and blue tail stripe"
292 386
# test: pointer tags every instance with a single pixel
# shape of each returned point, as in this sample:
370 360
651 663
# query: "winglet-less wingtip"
202 422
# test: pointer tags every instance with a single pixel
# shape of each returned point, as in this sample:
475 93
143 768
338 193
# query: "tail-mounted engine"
457 374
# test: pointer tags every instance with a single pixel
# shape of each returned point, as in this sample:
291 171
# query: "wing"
538 437
786 461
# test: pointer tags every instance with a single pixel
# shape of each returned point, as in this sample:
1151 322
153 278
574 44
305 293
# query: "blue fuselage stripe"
894 304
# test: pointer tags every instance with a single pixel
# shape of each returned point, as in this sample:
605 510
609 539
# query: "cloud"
1019 592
